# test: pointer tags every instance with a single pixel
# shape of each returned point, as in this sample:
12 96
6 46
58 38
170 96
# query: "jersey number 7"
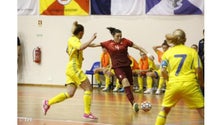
183 57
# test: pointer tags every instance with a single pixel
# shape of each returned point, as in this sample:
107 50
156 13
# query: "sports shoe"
115 89
121 90
139 91
89 116
105 89
99 84
45 106
136 107
148 91
158 92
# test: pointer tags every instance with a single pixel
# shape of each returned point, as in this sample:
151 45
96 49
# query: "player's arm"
85 45
155 48
94 45
198 69
139 48
164 72
199 72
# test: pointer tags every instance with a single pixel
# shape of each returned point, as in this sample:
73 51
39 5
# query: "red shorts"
124 72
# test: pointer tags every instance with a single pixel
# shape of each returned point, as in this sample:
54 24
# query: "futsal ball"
146 106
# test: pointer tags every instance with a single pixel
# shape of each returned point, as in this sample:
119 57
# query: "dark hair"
113 31
165 43
194 45
78 28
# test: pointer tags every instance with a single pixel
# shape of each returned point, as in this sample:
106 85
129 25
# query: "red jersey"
118 52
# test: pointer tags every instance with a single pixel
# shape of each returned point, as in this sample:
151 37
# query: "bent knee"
71 94
125 82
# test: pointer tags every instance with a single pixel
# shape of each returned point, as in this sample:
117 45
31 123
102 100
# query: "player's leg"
161 81
71 89
97 76
201 112
87 98
126 77
162 115
193 97
149 82
117 87
98 81
170 99
129 94
160 85
140 83
107 82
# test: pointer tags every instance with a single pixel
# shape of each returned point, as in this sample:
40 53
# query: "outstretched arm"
85 45
94 45
139 48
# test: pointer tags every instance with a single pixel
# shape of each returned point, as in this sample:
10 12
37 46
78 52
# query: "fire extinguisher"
37 55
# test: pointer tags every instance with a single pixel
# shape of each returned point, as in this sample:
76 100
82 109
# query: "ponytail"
113 31
77 28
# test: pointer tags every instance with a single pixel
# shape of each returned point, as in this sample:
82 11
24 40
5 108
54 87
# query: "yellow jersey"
152 65
181 62
75 55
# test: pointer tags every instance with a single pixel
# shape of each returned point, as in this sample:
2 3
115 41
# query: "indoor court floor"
111 108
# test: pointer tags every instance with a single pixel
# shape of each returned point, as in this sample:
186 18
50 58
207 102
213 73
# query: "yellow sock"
107 81
97 77
140 82
161 81
161 118
87 101
59 98
149 82
117 83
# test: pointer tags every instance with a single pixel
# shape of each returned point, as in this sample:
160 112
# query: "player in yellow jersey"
74 74
183 64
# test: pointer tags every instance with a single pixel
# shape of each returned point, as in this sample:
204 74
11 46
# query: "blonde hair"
178 37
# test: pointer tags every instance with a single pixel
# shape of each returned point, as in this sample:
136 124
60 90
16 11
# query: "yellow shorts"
75 75
188 91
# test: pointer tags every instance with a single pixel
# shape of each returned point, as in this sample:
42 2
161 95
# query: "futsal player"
180 66
74 74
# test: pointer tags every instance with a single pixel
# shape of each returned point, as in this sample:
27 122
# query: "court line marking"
29 119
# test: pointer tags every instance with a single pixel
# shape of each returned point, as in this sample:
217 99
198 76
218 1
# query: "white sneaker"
158 92
148 91
105 89
115 89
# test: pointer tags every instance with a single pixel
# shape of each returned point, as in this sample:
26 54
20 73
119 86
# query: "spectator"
104 63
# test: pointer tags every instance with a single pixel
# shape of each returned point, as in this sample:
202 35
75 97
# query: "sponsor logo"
64 2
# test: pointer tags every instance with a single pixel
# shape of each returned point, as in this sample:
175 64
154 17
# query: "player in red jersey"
118 51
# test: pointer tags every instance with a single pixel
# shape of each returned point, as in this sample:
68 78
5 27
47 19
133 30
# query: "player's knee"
71 90
87 92
149 74
125 82
71 93
166 109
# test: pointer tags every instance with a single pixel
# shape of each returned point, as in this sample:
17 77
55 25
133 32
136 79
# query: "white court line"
28 119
